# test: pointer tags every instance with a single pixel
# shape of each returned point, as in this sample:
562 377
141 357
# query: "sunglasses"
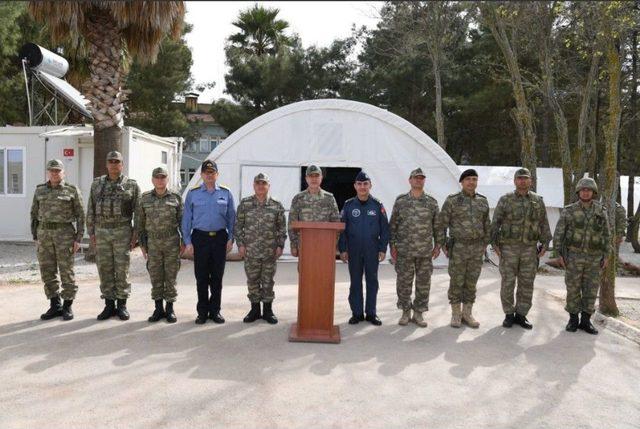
114 161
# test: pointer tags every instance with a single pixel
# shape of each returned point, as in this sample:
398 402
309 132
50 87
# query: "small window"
205 147
192 172
164 157
12 171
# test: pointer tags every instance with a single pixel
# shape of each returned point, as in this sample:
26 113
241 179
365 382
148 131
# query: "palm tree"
260 32
112 31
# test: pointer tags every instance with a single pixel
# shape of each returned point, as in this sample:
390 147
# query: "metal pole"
26 84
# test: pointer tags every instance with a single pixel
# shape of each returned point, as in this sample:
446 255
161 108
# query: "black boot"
268 315
67 312
508 320
109 310
373 319
171 316
522 321
585 324
355 319
253 314
123 314
158 313
55 309
572 326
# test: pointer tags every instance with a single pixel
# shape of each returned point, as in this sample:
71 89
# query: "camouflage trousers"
163 264
465 264
407 268
582 278
55 255
113 256
518 262
260 273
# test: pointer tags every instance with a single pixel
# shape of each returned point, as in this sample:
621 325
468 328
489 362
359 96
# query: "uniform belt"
209 233
109 225
53 225
158 235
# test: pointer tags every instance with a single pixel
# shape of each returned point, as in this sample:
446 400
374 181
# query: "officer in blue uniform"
363 245
207 231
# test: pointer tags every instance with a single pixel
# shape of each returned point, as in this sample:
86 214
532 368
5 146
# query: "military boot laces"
55 309
467 316
405 318
419 320
456 316
253 314
67 312
171 315
123 314
572 325
158 313
268 315
585 324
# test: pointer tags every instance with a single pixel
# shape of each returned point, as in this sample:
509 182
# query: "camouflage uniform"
621 221
260 228
307 207
582 236
158 220
412 230
467 219
109 216
519 224
53 212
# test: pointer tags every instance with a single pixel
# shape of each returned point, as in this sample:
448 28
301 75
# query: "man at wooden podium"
363 244
314 204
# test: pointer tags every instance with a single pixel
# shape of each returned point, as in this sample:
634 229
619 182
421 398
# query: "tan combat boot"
406 316
456 315
417 318
467 317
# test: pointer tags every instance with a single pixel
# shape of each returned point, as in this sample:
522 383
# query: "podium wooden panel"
316 282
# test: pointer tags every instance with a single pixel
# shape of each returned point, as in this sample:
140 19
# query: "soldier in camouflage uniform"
520 236
314 204
57 205
260 235
582 237
158 220
414 244
621 225
466 216
112 203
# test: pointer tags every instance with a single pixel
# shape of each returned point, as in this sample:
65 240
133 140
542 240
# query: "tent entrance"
337 180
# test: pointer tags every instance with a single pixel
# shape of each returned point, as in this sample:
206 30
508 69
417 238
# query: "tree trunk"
634 131
612 130
523 114
587 151
630 204
104 87
439 116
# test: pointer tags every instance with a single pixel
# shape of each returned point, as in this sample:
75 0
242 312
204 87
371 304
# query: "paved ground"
86 373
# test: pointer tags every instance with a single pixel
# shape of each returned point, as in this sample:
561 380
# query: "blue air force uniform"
207 224
366 233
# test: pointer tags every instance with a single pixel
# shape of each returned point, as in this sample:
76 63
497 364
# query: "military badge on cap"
417 173
114 154
209 165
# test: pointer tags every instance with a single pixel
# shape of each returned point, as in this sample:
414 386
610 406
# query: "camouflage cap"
160 171
588 183
522 172
313 169
55 164
417 172
208 165
261 177
114 154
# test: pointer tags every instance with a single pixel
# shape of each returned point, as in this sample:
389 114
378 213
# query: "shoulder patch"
481 196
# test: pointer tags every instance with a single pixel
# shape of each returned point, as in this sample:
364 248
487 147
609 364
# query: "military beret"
417 172
114 154
160 171
55 164
261 177
470 172
522 172
208 165
313 169
362 177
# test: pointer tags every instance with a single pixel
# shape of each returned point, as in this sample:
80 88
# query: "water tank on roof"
44 60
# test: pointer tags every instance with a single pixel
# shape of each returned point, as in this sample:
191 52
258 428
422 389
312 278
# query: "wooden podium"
316 282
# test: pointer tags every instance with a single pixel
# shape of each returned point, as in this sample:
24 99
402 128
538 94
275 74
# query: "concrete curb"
613 324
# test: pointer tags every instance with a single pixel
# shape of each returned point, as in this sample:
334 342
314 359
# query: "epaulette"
481 196
224 187
41 185
147 193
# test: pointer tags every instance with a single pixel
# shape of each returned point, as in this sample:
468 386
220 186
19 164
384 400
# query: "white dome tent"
342 137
